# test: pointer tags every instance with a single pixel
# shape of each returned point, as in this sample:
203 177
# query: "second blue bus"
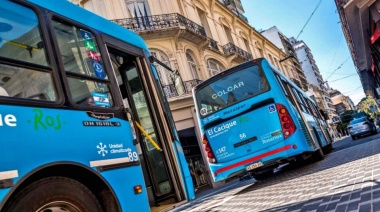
253 118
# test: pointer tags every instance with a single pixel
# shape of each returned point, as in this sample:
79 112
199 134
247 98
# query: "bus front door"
159 183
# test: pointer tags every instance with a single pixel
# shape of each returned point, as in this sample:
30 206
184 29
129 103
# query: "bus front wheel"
55 194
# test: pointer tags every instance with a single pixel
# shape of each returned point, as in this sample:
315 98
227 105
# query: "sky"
322 34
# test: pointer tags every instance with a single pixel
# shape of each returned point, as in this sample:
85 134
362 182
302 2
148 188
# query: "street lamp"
290 56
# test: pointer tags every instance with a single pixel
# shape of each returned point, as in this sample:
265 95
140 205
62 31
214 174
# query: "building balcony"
243 17
213 45
297 82
304 84
171 91
235 7
166 25
239 54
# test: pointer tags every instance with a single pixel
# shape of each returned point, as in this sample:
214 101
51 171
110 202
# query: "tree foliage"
346 117
365 105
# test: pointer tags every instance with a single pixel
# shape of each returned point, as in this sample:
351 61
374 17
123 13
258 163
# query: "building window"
204 23
138 8
228 34
246 43
192 65
162 72
276 63
271 59
261 52
214 67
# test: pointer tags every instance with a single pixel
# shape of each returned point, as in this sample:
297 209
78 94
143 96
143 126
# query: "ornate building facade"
196 39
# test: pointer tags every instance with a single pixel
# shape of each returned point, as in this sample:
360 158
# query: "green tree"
341 127
365 105
346 117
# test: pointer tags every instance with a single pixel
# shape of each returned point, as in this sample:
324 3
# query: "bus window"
20 36
305 105
302 106
282 85
315 110
83 65
230 89
21 40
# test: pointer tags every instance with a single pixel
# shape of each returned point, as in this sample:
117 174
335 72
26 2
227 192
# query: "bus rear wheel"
318 155
55 194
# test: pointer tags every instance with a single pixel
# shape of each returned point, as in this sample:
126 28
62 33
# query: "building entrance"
198 169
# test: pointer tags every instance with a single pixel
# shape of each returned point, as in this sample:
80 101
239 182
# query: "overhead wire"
309 19
336 50
350 91
338 68
343 78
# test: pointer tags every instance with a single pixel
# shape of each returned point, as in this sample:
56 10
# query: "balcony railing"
243 17
170 90
157 22
228 2
230 48
213 44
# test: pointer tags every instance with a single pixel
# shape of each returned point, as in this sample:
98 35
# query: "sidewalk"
208 191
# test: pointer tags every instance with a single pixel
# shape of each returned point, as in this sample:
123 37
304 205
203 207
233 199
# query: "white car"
361 126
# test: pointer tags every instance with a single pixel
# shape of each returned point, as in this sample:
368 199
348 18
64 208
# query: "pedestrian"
200 175
331 132
193 178
378 120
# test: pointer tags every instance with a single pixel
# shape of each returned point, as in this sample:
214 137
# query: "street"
346 180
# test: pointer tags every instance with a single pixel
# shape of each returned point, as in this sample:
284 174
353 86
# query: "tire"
353 137
328 149
55 194
318 155
263 175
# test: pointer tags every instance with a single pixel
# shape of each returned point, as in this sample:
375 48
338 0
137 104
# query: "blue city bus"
253 118
83 119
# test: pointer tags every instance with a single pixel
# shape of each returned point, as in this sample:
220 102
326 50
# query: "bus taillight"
287 123
207 147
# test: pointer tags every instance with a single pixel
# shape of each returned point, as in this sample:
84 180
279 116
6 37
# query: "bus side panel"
40 136
129 201
185 172
3 193
316 130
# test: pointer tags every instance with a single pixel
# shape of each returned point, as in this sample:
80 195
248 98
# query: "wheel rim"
58 206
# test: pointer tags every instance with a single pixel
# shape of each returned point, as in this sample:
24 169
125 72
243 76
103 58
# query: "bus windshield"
230 89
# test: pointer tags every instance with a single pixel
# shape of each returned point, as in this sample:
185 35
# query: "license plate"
254 166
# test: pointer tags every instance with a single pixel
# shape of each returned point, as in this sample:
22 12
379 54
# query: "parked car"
361 126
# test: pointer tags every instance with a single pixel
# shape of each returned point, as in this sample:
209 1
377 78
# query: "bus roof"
227 71
85 17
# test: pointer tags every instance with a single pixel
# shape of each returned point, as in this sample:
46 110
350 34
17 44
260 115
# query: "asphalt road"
348 179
